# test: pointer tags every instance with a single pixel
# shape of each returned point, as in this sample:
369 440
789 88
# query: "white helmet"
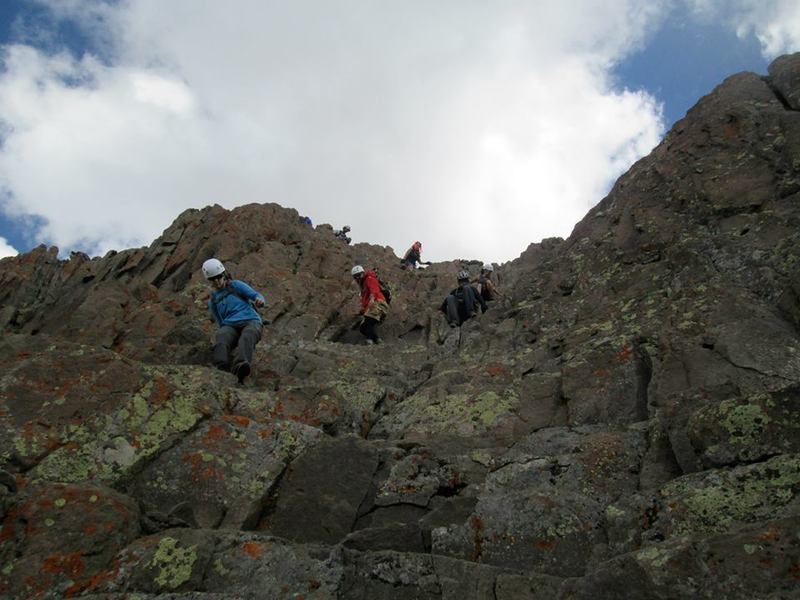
356 270
213 268
488 267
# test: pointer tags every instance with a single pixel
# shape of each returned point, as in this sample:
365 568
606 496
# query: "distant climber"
341 234
374 307
413 257
462 303
306 221
232 306
485 285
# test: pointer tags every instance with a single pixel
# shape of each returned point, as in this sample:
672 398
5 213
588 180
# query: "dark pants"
244 336
460 309
367 328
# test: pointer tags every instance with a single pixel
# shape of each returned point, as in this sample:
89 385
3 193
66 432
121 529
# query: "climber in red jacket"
374 307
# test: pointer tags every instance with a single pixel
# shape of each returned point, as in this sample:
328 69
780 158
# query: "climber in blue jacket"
232 306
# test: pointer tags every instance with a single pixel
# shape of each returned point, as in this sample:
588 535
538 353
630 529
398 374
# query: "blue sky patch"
686 60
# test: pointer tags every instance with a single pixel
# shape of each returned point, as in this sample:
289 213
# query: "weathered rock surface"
623 422
58 540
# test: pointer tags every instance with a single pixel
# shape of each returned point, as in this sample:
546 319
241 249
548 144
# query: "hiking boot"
242 371
370 342
453 325
378 341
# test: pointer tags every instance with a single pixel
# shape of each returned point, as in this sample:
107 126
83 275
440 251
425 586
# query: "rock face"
623 422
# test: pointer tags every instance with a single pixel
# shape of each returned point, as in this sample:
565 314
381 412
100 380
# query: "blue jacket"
231 304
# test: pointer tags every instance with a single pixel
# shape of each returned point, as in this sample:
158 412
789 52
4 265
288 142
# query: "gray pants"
458 312
244 336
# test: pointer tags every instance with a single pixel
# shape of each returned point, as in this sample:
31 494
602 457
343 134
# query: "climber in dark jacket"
231 305
412 257
341 234
462 303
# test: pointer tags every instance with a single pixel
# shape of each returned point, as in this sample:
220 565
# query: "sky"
474 127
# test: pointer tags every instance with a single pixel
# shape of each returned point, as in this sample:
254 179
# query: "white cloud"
149 88
476 128
6 249
775 23
103 161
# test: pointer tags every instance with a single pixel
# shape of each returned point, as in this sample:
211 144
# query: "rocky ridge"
624 422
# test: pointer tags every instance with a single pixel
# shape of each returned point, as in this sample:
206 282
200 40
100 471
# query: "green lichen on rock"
107 447
360 395
487 407
174 564
655 557
178 416
287 443
566 525
746 429
220 569
255 487
28 445
613 512
750 548
459 412
713 502
482 457
75 461
744 422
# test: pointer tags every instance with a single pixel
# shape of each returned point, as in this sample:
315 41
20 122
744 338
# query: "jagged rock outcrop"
623 422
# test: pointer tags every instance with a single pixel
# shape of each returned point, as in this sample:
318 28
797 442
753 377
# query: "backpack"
385 290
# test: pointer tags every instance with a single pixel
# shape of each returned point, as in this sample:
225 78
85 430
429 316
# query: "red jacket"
370 289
